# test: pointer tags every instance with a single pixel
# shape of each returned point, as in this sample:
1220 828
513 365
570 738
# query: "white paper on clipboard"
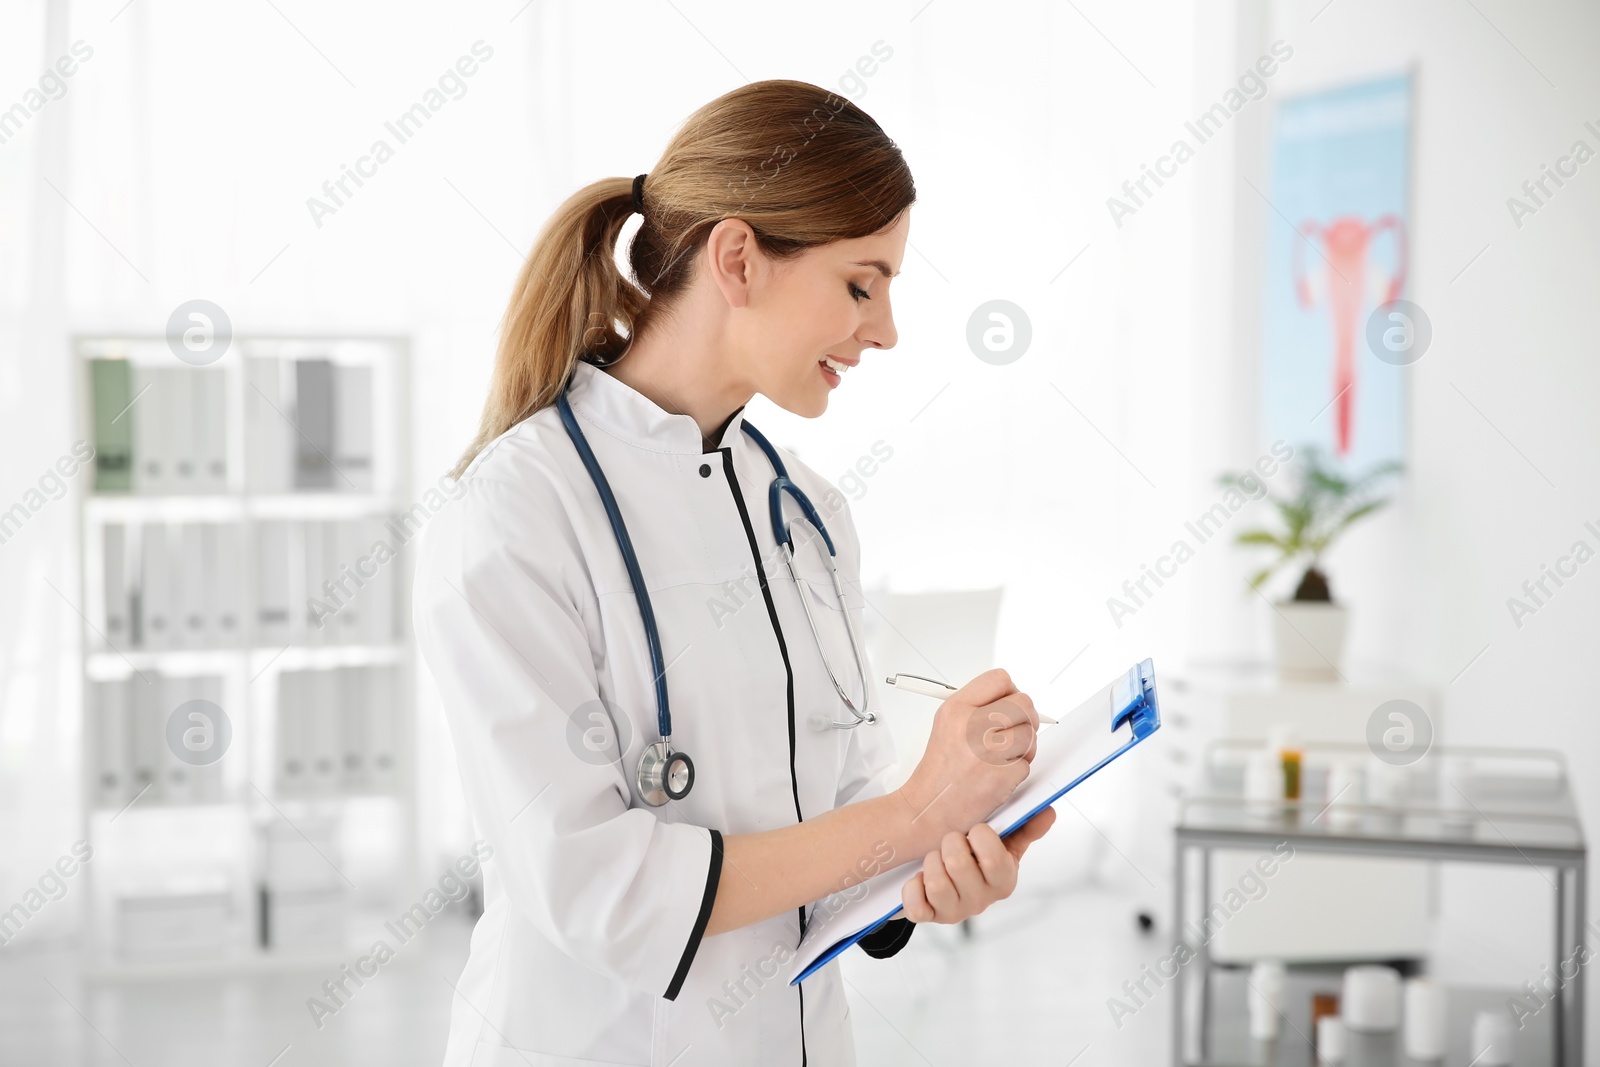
1068 753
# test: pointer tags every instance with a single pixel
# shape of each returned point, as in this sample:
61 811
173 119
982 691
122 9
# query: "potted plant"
1309 628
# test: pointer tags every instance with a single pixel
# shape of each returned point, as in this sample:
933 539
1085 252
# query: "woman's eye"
857 293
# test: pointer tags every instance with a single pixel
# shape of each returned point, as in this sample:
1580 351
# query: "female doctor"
660 709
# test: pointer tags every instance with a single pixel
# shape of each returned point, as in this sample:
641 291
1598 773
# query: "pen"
927 687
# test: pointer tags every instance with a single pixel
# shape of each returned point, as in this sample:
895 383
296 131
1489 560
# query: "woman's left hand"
968 873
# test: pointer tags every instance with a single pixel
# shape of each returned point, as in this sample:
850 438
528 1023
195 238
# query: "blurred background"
1193 291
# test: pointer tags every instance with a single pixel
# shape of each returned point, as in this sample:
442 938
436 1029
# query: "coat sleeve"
503 612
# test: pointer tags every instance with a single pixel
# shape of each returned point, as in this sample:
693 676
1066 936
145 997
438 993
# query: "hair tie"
638 194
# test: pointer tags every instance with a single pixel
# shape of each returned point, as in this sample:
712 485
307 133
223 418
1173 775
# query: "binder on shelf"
228 573
177 775
110 382
177 424
340 590
148 730
355 694
324 756
296 698
210 400
352 590
378 620
208 784
314 413
218 570
192 610
115 573
287 749
109 742
155 587
314 626
352 429
269 444
151 475
274 618
383 714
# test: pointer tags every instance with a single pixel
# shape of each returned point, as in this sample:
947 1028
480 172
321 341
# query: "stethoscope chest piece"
664 774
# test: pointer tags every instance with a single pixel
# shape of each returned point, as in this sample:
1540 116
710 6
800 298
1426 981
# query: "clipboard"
1068 753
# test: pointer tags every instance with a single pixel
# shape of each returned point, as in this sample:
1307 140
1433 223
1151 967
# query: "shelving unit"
248 861
1460 804
1232 1045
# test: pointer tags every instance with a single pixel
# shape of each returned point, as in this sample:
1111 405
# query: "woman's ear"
734 260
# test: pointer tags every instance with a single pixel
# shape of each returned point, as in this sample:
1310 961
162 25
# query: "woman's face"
830 302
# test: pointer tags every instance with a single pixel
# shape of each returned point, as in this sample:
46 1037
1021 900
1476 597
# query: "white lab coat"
589 950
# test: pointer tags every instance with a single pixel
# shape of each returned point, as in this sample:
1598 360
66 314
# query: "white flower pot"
1308 639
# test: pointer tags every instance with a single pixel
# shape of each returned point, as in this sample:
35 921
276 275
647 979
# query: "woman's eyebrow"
880 265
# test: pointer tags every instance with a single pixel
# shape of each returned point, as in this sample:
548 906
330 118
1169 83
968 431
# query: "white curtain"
39 585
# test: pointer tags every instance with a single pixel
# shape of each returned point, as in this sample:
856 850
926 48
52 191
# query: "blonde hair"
803 166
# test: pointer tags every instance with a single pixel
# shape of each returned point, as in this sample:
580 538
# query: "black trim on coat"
783 649
713 877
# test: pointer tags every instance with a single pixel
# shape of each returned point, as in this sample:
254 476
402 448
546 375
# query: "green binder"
113 437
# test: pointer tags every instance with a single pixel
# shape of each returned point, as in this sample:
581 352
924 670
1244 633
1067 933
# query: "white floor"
1030 987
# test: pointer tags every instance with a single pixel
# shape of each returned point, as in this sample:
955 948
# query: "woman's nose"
878 331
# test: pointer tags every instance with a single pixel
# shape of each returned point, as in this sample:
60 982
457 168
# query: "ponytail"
567 301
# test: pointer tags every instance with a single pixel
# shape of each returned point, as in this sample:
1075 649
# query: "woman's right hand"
983 741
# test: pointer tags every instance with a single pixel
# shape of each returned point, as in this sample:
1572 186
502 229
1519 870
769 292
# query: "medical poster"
1338 233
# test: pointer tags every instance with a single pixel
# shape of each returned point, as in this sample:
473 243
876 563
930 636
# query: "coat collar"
630 416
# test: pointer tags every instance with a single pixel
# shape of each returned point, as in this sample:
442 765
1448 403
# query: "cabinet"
247 648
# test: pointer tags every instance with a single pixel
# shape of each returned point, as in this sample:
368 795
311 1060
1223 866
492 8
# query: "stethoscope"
664 773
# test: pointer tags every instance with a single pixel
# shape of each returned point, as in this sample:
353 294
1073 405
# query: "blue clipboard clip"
1133 699
1134 702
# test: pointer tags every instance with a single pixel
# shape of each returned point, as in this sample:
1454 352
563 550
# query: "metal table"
1472 805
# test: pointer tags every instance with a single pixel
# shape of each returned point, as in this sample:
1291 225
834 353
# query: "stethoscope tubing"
630 559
